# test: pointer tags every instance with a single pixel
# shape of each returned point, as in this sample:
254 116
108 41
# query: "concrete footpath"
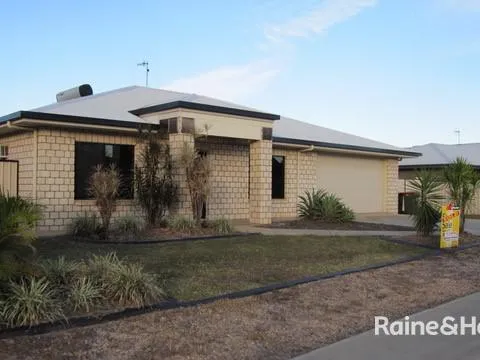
367 346
294 232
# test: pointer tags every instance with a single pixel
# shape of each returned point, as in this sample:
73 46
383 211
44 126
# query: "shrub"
129 225
197 170
99 267
321 205
156 190
462 182
181 223
129 285
30 302
84 293
222 226
426 214
18 218
60 272
86 226
104 186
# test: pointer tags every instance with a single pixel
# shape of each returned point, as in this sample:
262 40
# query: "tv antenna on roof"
147 70
457 131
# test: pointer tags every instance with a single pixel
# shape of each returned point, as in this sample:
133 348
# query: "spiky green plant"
309 204
324 206
84 294
129 225
87 226
130 285
462 181
181 223
18 218
427 187
60 272
99 267
222 226
29 302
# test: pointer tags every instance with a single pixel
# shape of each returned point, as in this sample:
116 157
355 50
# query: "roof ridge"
440 152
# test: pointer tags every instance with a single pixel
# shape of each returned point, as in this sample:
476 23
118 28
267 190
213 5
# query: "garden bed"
322 225
192 270
279 325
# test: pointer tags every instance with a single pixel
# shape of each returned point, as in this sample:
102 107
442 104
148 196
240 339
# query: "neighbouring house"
434 158
261 162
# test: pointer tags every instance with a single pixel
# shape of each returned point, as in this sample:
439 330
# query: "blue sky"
402 72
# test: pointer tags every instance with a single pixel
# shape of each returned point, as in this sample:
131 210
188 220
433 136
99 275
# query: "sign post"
450 226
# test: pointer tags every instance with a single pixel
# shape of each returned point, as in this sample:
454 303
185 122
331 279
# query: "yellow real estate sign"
450 226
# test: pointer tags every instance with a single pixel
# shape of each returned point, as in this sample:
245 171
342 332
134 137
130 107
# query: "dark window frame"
122 156
278 177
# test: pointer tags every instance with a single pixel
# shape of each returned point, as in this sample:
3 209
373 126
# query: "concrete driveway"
471 225
367 346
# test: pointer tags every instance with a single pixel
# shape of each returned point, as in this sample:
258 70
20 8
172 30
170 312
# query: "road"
367 346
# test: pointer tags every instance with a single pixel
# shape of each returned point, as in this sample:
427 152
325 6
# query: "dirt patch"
322 225
434 240
277 325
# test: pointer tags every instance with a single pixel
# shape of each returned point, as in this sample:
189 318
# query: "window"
278 177
89 155
3 151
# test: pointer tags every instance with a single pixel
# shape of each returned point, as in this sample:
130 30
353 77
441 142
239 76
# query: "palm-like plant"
104 186
321 205
427 187
18 218
462 181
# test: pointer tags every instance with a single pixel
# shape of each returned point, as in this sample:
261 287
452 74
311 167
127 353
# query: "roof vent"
73 93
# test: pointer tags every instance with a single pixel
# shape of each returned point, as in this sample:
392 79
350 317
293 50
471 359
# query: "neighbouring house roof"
438 155
123 107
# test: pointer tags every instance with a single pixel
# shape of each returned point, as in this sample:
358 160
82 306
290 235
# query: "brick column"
261 182
390 199
177 142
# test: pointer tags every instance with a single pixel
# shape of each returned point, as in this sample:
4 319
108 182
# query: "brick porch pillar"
177 142
390 203
261 182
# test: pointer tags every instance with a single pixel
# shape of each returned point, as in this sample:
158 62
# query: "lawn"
192 270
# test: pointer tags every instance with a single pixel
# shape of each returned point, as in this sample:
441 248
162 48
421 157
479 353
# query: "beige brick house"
261 161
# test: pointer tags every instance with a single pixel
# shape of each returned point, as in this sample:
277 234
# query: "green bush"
99 267
324 206
129 226
427 187
30 302
130 285
18 218
181 223
222 226
87 226
60 272
84 294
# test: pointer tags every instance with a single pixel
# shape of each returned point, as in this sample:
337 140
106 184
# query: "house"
435 157
260 161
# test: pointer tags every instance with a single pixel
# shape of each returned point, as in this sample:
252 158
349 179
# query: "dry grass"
277 325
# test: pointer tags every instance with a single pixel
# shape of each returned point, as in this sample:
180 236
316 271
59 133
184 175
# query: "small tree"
156 191
197 169
104 186
462 182
427 187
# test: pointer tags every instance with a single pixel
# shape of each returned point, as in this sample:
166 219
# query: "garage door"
358 181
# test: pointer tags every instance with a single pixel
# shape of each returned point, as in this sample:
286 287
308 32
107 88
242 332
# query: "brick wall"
261 182
21 148
55 178
391 186
300 175
229 179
